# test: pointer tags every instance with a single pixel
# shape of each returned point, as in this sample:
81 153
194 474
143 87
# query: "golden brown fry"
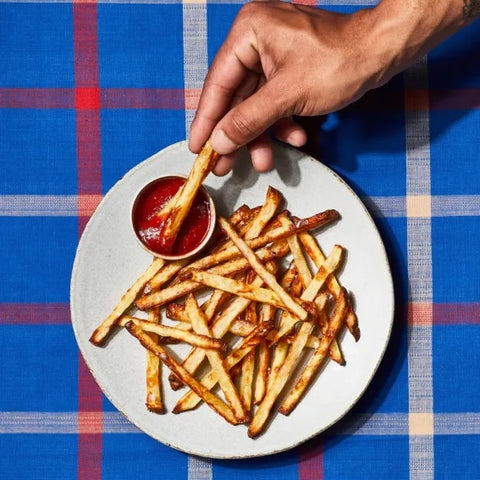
318 257
175 212
290 304
101 332
164 275
242 289
220 326
153 397
199 324
310 223
194 339
263 412
298 256
239 327
309 294
208 397
191 399
248 363
317 358
168 294
334 350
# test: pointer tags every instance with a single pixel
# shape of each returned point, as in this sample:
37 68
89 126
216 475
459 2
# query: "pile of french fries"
262 309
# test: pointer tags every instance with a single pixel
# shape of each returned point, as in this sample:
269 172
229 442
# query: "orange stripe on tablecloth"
87 204
192 96
420 313
312 3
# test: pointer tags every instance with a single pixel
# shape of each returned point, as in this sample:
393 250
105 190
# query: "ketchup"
148 225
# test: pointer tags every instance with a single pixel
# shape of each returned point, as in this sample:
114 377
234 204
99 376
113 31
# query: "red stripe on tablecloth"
57 313
425 313
143 98
37 98
456 314
455 99
34 314
87 106
310 461
85 97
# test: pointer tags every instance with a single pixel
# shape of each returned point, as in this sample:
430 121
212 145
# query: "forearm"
405 30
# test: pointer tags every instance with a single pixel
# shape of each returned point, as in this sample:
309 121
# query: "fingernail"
222 144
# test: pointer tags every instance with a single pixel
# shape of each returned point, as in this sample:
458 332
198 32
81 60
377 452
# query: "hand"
281 60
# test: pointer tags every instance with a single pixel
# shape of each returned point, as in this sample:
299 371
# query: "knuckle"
241 128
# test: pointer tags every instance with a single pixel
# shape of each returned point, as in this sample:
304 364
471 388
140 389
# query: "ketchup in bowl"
196 228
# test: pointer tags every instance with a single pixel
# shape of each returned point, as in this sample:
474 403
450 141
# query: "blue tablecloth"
87 91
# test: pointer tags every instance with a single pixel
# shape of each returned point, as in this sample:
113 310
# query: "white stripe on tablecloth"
420 391
195 69
48 205
194 51
38 205
379 207
365 424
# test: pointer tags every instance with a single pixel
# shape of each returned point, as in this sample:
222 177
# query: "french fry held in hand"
176 210
261 309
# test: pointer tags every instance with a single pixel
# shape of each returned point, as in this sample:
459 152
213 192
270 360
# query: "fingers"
288 131
232 77
252 117
261 153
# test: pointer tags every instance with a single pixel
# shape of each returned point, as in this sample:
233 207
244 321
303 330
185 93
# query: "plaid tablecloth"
87 91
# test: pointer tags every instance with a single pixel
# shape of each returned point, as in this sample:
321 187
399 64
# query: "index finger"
230 74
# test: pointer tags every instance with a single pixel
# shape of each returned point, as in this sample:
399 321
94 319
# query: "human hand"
281 60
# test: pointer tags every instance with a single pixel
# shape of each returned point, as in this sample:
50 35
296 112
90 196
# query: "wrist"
401 32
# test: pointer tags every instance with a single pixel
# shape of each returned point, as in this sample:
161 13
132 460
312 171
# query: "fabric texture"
87 91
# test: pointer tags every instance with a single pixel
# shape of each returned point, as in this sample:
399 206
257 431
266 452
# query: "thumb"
250 118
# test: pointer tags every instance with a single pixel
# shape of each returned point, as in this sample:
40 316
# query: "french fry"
263 412
165 295
309 294
242 289
153 397
248 363
175 212
194 339
208 397
199 324
318 257
220 326
101 332
262 272
191 399
279 233
317 358
164 275
276 318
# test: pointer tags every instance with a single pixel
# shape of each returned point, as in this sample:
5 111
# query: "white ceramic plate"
109 259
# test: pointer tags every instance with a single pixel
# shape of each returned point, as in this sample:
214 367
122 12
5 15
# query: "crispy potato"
292 305
199 324
260 302
153 400
317 358
175 211
194 339
191 399
101 332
